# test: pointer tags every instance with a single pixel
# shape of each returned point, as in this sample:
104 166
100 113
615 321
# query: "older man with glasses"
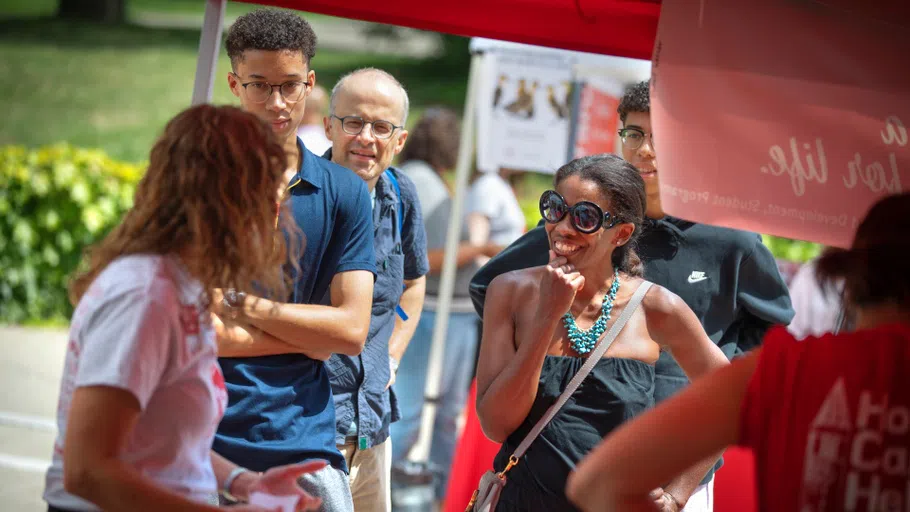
728 277
367 112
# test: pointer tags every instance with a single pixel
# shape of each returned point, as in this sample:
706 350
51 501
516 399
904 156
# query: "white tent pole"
209 45
421 450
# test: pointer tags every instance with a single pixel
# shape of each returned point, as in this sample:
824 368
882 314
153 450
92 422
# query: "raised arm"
507 378
674 326
653 448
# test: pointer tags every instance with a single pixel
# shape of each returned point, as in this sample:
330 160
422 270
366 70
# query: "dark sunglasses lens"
552 207
586 218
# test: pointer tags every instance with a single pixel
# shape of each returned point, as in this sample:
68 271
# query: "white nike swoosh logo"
693 279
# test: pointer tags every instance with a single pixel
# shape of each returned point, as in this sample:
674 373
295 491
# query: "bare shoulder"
660 303
516 281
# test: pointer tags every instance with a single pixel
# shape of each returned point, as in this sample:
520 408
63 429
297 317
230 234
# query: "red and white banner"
598 122
786 117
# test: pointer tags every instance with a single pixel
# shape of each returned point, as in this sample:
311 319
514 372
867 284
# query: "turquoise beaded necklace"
583 340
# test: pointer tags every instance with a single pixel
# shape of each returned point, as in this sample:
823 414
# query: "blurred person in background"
818 309
494 213
432 151
312 127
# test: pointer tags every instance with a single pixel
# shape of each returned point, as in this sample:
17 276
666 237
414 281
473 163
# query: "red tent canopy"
625 28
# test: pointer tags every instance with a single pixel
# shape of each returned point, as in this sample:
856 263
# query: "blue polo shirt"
363 406
280 408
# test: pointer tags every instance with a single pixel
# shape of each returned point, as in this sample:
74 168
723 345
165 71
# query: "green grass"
42 8
114 87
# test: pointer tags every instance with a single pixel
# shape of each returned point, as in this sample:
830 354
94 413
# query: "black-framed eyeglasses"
586 217
260 91
353 125
633 138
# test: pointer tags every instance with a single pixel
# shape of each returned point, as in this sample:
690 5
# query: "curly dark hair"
876 268
622 184
434 139
270 29
209 194
636 99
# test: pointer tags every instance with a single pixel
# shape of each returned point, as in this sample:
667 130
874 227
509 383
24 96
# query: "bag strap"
605 342
399 212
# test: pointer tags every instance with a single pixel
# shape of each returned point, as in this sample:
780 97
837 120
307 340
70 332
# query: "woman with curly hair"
828 418
142 392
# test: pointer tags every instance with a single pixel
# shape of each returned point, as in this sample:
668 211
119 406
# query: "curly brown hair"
209 197
434 139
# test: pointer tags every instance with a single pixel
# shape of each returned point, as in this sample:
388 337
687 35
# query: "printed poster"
523 110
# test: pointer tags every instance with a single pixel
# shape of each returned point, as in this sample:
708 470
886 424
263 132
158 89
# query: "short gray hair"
406 103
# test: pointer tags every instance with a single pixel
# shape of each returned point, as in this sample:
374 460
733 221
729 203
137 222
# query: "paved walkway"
30 378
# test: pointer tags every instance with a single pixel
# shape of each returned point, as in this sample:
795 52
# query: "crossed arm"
270 328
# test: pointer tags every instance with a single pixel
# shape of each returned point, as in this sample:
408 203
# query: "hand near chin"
559 283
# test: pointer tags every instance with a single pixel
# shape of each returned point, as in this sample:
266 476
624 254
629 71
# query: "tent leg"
421 450
209 45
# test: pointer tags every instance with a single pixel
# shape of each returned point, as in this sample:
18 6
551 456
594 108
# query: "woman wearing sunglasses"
541 323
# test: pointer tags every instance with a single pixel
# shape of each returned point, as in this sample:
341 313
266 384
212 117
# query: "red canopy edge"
625 28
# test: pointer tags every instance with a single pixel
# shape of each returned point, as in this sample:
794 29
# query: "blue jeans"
410 384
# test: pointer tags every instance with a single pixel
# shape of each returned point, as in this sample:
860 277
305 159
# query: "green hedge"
54 201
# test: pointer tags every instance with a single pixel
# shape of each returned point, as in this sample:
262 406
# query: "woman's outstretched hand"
282 481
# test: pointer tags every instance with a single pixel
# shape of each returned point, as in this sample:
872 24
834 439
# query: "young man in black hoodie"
728 277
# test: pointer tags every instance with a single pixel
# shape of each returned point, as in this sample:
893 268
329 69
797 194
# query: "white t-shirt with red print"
142 327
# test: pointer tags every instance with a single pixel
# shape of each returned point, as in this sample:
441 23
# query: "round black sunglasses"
586 216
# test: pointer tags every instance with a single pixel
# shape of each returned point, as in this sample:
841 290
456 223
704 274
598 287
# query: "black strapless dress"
616 390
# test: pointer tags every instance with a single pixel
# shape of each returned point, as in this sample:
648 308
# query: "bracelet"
675 501
226 488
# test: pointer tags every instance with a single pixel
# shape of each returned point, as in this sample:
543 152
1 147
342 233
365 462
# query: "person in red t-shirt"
828 418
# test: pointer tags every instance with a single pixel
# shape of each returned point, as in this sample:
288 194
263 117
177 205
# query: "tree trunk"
105 11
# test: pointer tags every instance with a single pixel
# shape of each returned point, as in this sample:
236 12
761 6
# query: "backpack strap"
398 215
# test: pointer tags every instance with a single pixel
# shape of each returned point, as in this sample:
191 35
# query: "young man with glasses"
367 112
728 277
272 350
